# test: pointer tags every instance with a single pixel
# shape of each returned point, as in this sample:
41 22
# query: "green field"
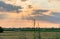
29 35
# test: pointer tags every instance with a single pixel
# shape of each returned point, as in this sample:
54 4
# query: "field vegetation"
26 33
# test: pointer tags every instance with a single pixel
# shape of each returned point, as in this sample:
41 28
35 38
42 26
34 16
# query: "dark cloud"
52 19
39 12
30 6
56 14
45 18
8 7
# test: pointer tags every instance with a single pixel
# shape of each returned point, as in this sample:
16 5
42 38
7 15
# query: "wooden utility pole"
34 28
39 36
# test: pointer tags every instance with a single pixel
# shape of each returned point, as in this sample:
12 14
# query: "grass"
29 35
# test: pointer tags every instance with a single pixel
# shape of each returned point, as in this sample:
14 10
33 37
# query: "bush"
1 30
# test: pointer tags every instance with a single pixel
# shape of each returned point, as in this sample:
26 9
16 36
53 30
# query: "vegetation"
1 30
33 29
29 35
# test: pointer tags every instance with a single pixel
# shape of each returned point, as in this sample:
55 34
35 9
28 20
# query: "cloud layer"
39 16
8 7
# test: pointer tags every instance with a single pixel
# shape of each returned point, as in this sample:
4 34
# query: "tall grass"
29 35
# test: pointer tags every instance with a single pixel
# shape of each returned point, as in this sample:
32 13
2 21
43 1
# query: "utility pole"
39 36
34 22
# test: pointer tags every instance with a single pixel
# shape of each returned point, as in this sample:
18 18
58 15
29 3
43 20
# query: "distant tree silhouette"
1 30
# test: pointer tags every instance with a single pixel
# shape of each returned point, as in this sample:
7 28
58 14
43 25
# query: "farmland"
29 35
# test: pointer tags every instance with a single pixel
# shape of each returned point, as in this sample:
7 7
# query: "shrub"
1 30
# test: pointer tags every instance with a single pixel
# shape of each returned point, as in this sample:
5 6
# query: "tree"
1 30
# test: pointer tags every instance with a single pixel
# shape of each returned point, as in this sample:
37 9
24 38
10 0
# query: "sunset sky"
20 13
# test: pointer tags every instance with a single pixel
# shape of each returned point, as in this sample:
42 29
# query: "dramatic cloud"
36 13
8 7
45 18
53 19
39 11
56 14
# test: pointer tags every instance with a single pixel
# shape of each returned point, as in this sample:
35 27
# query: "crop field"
29 35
